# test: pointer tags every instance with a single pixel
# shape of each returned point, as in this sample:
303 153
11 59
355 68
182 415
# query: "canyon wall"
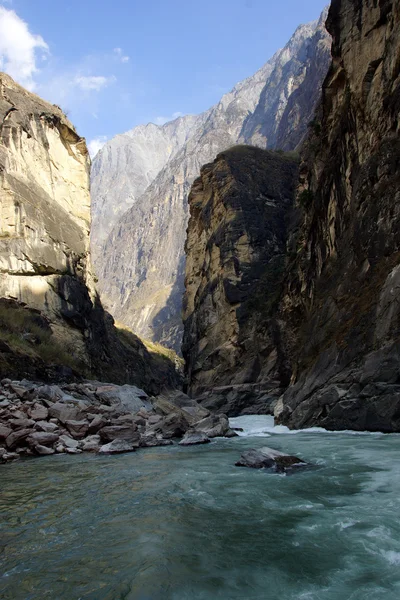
341 305
141 264
235 247
46 285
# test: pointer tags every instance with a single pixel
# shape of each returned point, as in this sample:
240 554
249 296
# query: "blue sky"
114 65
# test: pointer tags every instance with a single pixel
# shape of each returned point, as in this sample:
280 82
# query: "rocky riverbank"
37 419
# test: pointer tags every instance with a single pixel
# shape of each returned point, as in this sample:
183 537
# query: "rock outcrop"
341 305
235 249
50 312
141 265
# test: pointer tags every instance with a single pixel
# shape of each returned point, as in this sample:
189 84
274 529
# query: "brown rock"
4 432
38 412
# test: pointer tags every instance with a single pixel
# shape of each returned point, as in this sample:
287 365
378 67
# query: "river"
178 523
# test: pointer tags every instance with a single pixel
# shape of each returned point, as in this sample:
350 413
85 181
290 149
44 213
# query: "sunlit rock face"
235 249
45 208
141 264
44 249
342 296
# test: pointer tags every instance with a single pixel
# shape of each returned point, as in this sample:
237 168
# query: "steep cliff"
235 248
341 305
126 166
50 313
141 265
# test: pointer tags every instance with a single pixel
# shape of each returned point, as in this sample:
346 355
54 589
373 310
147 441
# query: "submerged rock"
268 458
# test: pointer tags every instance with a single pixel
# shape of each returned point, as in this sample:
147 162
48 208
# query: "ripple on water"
185 524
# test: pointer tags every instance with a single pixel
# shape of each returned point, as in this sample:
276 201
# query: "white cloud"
121 56
18 48
96 144
163 120
89 83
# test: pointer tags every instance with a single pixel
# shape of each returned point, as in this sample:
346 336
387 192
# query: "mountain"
141 265
328 335
52 323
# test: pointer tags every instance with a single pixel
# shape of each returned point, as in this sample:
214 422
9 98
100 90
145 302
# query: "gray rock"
38 412
4 432
128 397
91 444
194 437
43 438
21 423
120 432
213 426
78 429
96 424
117 447
68 441
152 440
43 450
268 458
17 437
63 412
46 426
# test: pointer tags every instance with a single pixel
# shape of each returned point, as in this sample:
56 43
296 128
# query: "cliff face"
235 249
141 265
126 166
44 251
342 300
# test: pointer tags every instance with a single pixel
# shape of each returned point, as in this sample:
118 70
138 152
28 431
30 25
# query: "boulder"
49 392
128 397
91 444
117 447
78 429
127 433
268 458
172 426
213 426
192 438
152 440
4 432
43 450
231 433
17 437
21 423
96 424
64 412
46 426
68 441
38 412
42 438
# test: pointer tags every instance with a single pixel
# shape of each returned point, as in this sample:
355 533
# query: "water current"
178 523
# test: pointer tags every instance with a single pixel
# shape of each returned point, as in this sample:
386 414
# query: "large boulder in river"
128 397
268 458
213 426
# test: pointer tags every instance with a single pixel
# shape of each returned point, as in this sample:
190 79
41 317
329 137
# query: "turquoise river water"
178 523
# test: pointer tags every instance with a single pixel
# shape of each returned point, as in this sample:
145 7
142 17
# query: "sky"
112 65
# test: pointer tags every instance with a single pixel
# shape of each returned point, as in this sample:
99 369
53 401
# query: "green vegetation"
26 332
159 352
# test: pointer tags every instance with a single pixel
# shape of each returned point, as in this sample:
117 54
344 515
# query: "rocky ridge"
38 419
141 266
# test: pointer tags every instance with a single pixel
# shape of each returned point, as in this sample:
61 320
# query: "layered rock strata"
235 251
342 298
